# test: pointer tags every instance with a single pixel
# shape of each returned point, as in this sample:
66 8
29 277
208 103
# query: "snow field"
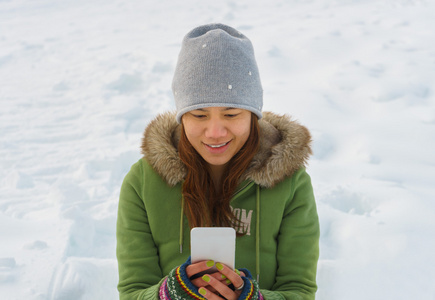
81 79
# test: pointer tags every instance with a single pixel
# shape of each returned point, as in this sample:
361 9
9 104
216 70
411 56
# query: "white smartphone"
213 243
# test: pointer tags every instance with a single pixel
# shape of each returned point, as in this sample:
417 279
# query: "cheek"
193 132
243 131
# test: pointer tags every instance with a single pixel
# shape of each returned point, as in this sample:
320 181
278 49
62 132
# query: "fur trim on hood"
284 148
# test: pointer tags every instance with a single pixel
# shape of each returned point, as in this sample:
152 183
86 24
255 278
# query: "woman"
219 161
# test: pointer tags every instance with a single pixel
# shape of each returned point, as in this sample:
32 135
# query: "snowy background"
80 80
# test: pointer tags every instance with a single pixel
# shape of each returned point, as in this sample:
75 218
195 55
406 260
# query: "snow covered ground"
80 79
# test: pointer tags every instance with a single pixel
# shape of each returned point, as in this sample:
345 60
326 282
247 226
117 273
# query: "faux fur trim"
284 148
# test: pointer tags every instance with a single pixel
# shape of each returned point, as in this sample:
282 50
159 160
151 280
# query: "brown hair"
203 205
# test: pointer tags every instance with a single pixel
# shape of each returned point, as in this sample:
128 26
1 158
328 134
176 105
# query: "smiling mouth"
218 146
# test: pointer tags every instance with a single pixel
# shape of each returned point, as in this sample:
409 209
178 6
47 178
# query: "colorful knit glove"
251 290
177 285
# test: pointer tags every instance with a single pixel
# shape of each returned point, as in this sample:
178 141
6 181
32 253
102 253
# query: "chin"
217 163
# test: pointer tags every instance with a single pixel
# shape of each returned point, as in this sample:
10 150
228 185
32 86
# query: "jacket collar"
284 148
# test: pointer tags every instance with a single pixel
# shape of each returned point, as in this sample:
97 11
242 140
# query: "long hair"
203 204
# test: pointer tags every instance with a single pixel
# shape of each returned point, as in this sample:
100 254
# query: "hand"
215 286
193 272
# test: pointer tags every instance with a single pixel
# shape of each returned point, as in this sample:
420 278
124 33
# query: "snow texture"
80 80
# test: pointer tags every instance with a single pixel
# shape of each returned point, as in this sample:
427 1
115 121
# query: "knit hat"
216 67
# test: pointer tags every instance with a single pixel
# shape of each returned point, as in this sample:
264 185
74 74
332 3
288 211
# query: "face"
217 133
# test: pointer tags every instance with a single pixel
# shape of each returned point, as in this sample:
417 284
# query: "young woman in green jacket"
219 161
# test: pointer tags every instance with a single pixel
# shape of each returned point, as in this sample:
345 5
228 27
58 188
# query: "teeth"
217 146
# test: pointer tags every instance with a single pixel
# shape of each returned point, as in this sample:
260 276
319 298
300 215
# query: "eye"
231 115
198 116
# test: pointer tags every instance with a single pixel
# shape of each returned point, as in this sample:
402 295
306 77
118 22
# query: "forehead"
216 108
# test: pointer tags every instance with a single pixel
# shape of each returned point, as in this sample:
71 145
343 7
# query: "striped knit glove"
251 290
178 286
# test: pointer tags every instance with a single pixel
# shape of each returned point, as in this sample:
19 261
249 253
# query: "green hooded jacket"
274 202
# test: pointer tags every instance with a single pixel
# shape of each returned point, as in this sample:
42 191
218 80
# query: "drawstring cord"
181 224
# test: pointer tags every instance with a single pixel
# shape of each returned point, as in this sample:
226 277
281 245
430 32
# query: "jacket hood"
284 148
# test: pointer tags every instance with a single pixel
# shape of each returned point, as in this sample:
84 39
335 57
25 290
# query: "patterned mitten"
178 286
251 290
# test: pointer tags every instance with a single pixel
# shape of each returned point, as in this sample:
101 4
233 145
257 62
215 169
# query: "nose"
215 129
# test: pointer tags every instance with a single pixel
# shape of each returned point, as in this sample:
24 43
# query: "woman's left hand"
221 287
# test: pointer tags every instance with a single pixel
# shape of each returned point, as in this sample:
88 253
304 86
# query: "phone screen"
213 243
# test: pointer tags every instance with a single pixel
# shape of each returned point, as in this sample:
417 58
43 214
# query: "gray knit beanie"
216 67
